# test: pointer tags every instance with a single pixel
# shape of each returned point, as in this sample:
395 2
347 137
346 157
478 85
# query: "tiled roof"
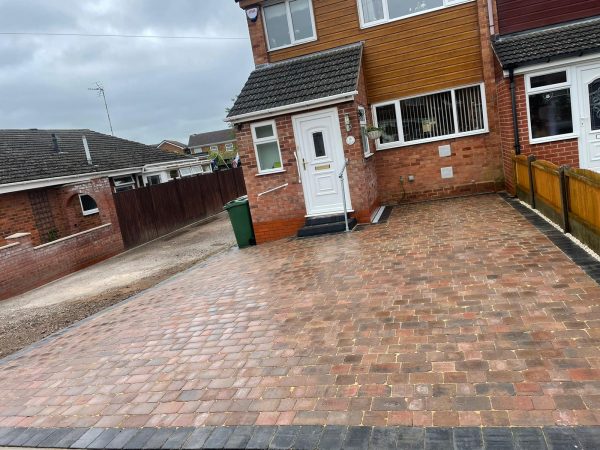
176 143
549 43
301 79
27 155
212 137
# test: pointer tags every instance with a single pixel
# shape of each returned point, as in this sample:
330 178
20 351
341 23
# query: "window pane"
399 8
265 131
301 19
277 25
427 117
595 104
268 156
372 10
88 203
549 79
319 145
551 113
469 107
386 120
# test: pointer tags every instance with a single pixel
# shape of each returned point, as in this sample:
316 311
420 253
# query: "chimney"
55 143
88 155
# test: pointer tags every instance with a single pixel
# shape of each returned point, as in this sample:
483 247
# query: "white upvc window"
88 205
432 117
362 120
376 12
230 146
288 22
266 147
214 148
126 183
550 106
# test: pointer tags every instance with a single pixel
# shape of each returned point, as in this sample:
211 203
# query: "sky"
156 89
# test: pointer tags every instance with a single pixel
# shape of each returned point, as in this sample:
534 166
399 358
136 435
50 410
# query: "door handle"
304 163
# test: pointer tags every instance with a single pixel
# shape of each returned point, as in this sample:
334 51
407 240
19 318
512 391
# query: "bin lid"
237 202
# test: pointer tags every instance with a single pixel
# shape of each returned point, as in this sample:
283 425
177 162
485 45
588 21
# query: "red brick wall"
28 265
558 152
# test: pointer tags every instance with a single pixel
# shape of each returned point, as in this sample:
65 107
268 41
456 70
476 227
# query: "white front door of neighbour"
320 154
589 80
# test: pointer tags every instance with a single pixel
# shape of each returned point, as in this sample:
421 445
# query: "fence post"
530 160
564 196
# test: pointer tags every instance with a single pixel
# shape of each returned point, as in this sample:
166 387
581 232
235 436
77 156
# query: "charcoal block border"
308 437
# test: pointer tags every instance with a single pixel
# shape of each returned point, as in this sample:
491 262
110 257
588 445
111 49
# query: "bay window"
266 146
549 107
447 114
288 22
374 12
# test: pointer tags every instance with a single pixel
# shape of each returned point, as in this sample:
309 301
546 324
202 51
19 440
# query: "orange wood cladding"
425 53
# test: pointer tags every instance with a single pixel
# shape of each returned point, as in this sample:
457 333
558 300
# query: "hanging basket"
374 134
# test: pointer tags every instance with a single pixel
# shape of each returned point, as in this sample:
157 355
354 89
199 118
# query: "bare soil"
27 318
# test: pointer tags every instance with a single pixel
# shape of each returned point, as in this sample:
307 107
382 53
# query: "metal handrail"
274 189
341 177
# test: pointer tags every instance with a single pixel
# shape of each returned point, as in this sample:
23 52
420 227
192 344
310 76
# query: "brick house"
57 213
548 78
222 142
327 71
173 147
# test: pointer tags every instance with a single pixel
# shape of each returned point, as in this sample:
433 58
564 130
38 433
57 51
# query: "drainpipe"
513 95
490 8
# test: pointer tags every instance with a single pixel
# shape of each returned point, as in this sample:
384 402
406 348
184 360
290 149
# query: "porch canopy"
542 45
300 83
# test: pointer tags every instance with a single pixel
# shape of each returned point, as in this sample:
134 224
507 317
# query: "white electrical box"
447 172
445 151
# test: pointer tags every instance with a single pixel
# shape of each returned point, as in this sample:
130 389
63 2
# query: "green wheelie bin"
239 214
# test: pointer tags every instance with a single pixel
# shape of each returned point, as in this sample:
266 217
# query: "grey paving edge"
307 438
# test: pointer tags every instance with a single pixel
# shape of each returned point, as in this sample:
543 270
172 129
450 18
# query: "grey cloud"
156 89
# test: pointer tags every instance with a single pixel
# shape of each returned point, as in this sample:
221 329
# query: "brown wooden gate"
150 212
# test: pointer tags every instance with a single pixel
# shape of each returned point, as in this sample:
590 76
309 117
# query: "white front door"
589 80
320 155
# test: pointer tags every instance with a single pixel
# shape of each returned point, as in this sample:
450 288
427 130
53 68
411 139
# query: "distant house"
222 142
173 147
57 212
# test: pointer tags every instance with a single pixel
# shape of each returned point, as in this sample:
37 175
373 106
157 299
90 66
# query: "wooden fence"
569 197
150 212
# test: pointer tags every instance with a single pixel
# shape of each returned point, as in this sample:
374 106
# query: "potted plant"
374 133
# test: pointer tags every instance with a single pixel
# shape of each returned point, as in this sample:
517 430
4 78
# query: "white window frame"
229 146
551 88
386 13
88 212
214 148
290 25
401 143
256 141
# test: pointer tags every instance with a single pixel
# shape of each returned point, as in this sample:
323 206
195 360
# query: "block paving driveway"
454 313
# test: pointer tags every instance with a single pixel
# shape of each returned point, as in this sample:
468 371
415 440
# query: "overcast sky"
156 88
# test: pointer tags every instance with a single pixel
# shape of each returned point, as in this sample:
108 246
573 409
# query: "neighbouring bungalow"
57 213
360 103
173 147
549 81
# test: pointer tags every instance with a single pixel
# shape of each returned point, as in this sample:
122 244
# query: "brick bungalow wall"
168 147
557 152
25 263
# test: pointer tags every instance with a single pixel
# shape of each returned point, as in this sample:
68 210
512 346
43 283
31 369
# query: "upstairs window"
375 12
550 111
426 118
289 22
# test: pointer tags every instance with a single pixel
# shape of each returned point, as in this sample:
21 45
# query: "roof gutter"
324 101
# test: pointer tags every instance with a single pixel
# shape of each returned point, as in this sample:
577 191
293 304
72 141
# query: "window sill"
368 155
262 174
295 44
91 212
546 140
394 145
